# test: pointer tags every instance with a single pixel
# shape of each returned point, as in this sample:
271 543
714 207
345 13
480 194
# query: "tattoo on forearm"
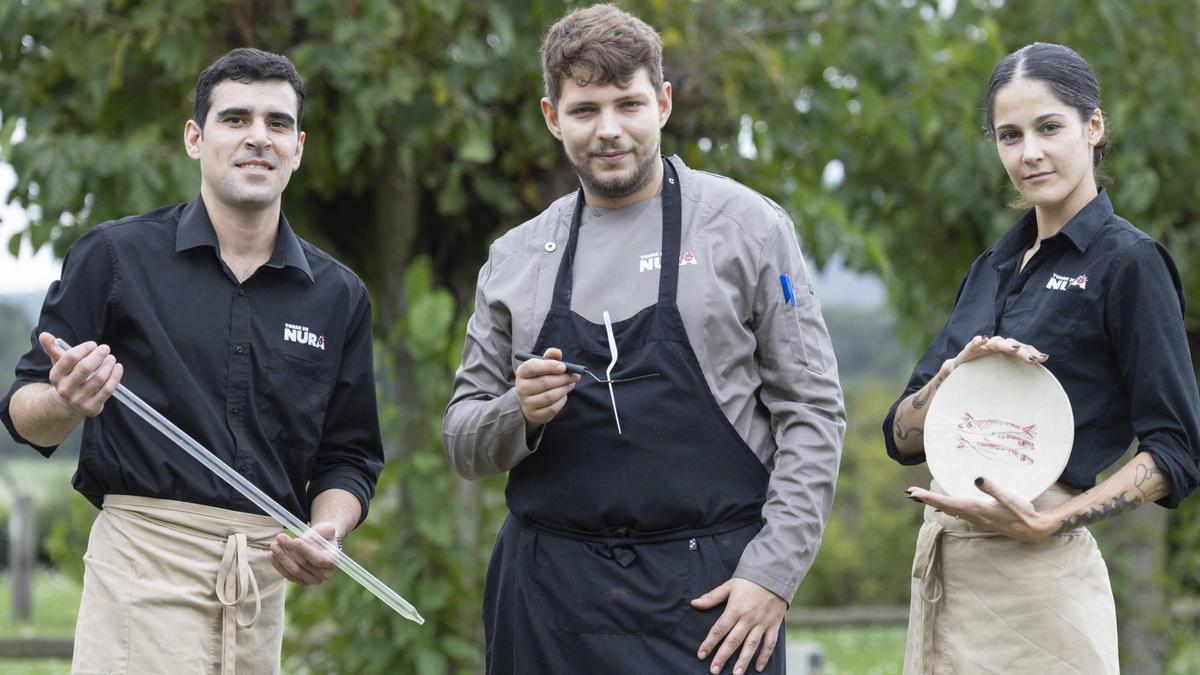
1119 504
1143 480
918 402
903 434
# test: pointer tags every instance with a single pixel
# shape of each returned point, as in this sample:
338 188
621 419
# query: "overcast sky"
28 273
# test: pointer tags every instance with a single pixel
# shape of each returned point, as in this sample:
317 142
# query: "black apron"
611 535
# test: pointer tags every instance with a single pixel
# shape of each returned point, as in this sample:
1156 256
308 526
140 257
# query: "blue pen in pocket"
789 298
789 293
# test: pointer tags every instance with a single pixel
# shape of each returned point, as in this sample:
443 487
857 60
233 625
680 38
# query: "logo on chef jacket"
1058 282
653 261
301 335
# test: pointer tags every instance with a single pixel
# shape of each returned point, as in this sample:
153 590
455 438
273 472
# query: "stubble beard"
618 186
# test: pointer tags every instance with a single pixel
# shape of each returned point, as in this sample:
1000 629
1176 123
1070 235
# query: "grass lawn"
857 651
55 602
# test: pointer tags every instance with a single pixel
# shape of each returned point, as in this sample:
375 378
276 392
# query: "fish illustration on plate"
996 439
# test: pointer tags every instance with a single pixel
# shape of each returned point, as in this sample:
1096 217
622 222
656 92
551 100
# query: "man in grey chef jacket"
666 504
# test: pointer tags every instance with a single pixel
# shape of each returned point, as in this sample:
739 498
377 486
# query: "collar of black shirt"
1080 230
196 229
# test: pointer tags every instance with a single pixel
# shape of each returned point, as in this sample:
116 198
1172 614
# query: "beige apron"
178 588
985 603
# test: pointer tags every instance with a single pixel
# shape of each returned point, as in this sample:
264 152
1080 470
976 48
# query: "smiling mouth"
254 164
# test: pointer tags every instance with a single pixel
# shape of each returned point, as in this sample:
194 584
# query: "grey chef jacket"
770 368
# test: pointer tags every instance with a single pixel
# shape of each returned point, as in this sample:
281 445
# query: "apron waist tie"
618 544
235 581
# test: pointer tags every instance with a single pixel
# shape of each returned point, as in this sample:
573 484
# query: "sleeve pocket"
802 352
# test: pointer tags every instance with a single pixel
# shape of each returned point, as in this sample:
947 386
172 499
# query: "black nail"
916 500
908 492
979 482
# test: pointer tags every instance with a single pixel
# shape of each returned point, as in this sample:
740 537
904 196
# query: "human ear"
192 137
550 114
664 104
1095 125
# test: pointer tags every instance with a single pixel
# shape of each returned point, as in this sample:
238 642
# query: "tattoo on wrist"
1143 480
1119 504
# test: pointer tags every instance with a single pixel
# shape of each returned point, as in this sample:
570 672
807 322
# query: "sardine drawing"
994 426
996 439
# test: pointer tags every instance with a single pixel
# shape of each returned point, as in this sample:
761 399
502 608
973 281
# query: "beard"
618 186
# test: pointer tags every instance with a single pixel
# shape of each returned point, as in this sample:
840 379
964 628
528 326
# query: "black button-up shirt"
1105 301
273 375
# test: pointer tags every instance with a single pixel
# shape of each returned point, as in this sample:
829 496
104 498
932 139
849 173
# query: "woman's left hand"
1008 515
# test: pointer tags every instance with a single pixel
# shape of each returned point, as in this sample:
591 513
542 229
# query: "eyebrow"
638 96
245 112
1037 120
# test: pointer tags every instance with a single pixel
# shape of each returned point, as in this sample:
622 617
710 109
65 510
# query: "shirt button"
241 291
236 410
238 349
550 246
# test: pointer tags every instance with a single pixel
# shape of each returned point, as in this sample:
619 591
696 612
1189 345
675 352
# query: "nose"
608 126
1031 149
256 134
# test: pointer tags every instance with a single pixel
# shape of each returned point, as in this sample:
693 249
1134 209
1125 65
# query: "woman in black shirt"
1007 582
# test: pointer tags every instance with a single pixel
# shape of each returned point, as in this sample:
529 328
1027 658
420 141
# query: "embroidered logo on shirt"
303 336
1058 282
653 261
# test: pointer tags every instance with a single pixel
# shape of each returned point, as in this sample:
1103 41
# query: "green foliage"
866 553
429 534
424 141
68 533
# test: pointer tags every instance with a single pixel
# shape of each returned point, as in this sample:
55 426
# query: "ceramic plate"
1007 421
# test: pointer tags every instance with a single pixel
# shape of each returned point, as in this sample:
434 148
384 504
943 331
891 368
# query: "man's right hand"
83 378
542 388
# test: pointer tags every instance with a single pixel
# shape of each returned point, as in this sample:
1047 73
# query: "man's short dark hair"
247 65
600 45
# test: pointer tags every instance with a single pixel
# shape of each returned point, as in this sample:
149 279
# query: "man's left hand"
751 620
306 562
1008 514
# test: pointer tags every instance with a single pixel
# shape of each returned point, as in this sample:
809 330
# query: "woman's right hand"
982 346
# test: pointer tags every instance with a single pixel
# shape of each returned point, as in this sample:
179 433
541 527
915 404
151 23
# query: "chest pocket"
292 403
1047 315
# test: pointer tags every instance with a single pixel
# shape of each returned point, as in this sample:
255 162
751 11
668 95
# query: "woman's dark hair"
1061 69
247 65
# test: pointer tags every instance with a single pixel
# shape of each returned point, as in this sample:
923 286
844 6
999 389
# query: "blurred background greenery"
862 118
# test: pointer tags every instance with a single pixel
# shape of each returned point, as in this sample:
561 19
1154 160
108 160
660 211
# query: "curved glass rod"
259 498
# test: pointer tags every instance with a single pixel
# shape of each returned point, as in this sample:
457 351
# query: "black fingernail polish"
979 482
916 500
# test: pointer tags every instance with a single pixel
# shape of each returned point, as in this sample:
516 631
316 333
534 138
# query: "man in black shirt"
252 341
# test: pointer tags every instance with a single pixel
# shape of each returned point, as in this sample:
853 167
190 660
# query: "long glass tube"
260 499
